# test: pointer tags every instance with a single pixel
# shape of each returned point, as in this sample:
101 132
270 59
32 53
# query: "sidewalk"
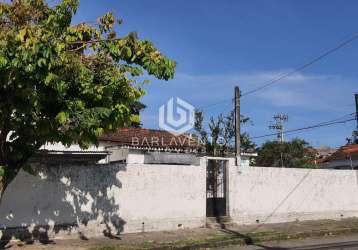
204 237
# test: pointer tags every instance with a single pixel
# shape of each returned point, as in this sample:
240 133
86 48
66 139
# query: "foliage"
2 171
66 83
293 154
136 108
219 139
247 145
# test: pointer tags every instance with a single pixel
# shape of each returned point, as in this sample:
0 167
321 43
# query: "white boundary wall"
107 198
129 198
270 195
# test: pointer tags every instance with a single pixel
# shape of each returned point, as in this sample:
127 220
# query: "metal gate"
216 188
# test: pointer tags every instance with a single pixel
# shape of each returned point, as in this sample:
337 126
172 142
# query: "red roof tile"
344 153
150 138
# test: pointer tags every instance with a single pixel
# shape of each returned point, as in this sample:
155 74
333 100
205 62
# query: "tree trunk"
2 188
2 163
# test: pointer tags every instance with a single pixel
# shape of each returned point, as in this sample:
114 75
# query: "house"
57 152
247 159
149 146
324 151
134 145
344 158
138 145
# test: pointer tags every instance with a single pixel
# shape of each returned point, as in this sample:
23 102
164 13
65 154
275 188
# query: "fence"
122 198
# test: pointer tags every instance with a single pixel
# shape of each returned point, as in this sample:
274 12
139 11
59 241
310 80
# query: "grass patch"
221 239
208 240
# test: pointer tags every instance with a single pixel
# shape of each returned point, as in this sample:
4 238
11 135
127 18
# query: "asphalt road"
349 242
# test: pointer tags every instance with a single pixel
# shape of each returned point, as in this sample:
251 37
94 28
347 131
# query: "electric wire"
302 67
323 124
294 71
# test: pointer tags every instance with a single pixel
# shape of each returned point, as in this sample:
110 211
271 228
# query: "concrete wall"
106 199
122 198
269 195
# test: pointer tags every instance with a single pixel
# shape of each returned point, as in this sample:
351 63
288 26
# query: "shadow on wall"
62 199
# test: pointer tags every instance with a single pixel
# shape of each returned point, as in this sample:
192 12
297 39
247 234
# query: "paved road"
329 243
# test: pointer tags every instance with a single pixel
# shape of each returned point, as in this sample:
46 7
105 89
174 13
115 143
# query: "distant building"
344 158
324 151
248 159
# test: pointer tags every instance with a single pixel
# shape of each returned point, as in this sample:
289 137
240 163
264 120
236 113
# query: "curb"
251 239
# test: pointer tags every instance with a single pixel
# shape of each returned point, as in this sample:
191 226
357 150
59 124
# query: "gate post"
232 172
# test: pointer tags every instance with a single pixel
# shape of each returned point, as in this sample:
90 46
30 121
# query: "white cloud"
306 98
309 91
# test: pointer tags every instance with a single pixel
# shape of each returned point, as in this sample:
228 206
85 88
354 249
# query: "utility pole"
280 120
356 131
237 125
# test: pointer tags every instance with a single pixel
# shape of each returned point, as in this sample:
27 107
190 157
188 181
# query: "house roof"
59 156
344 153
151 139
325 151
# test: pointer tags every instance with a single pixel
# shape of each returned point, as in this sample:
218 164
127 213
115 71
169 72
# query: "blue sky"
220 44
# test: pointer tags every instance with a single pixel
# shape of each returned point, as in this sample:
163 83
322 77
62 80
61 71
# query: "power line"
305 128
296 70
302 131
302 67
339 118
215 104
223 110
323 124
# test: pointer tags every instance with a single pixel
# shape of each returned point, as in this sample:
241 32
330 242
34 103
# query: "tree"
65 83
247 145
293 154
219 139
136 107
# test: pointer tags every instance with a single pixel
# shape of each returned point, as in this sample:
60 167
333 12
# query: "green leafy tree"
65 83
293 154
136 108
219 139
247 145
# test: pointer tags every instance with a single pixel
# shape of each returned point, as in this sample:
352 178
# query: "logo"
176 116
